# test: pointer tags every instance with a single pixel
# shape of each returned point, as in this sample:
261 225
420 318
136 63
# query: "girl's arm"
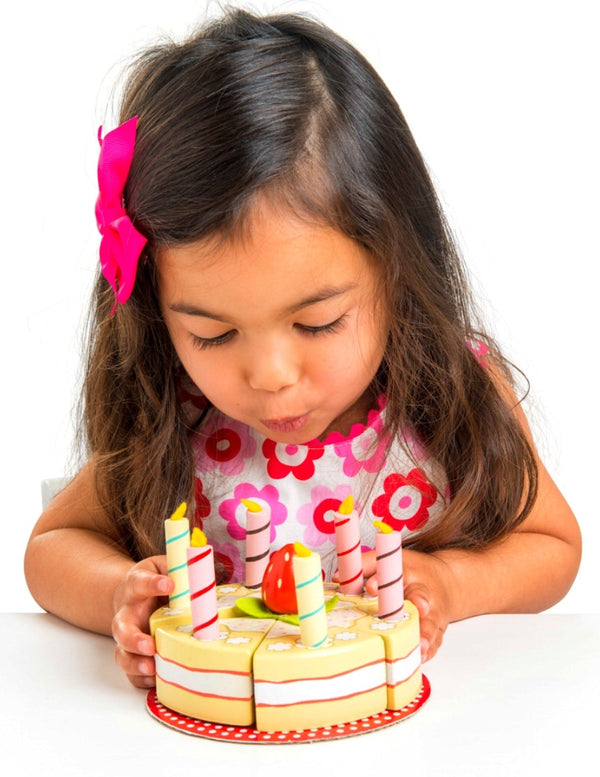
76 568
528 571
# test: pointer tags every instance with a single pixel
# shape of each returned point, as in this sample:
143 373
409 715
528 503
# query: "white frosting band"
402 668
210 683
361 680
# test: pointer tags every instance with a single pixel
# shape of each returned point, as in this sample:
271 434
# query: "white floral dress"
305 484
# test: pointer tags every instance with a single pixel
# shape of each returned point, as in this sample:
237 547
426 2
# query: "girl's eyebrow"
326 293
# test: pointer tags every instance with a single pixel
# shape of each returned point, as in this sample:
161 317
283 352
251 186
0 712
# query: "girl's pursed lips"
290 424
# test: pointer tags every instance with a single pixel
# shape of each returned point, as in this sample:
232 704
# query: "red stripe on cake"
203 671
320 677
401 658
206 695
406 679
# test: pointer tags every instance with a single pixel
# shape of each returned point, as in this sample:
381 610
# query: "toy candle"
390 588
310 596
203 588
258 542
349 555
177 535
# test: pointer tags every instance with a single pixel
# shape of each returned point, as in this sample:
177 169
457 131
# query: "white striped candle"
348 548
390 585
177 540
203 588
310 595
258 541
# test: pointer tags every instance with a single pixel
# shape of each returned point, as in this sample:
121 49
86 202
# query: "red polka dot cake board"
249 735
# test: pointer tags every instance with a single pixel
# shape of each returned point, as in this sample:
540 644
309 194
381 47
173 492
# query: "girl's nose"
272 366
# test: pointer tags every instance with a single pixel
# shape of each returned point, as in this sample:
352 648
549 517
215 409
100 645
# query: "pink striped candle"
349 554
203 589
390 587
258 541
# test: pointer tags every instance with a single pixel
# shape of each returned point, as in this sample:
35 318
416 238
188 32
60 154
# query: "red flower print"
223 445
406 500
202 503
318 515
225 567
297 460
188 391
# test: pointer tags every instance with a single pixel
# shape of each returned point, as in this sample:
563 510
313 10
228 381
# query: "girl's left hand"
427 585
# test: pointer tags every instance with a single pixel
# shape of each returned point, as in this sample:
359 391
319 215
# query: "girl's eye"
201 343
323 330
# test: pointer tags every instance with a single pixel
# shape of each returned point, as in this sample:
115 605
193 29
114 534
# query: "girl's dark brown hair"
282 107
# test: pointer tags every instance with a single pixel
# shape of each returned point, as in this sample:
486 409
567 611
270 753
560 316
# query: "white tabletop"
510 695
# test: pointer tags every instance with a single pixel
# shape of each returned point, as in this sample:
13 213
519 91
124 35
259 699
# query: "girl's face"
281 329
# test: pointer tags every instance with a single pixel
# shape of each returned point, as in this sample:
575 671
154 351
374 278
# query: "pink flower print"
202 503
479 351
227 443
406 500
415 446
318 514
365 447
298 460
234 512
367 451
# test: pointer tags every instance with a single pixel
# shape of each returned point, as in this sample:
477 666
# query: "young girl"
281 315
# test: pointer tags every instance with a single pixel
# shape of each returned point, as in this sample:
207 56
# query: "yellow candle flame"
254 507
198 538
347 506
384 528
302 550
180 512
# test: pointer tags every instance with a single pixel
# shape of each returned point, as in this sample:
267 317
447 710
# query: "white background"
503 100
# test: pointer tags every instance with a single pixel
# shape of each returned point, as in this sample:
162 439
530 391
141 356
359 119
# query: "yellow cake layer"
320 714
213 709
403 654
300 687
209 679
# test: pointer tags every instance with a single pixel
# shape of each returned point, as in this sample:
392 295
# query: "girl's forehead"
276 249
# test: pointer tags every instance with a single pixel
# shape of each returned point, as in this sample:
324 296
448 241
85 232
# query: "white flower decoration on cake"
382 626
187 628
346 635
280 646
223 589
237 640
344 617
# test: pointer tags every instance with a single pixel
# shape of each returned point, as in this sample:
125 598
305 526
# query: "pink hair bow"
121 243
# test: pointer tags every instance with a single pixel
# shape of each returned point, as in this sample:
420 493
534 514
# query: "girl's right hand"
136 597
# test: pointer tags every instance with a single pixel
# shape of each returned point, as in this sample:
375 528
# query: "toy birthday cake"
285 651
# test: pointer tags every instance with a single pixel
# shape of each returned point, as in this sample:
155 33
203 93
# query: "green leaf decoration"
256 608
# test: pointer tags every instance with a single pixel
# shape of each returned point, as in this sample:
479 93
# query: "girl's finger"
134 665
128 634
142 584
